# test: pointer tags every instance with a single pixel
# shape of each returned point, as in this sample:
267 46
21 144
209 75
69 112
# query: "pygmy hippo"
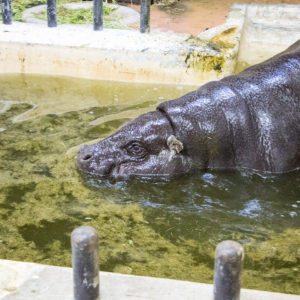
248 121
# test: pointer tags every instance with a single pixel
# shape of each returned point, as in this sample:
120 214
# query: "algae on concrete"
241 66
212 57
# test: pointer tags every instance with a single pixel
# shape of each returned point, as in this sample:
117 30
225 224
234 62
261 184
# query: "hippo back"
271 91
250 120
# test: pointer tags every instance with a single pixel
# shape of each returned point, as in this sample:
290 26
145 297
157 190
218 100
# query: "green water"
159 229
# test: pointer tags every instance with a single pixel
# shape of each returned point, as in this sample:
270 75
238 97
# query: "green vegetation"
64 15
82 16
18 6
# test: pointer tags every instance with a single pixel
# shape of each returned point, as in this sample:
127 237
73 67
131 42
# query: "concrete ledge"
21 281
122 55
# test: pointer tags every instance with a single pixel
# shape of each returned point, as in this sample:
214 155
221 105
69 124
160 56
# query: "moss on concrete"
201 62
211 58
83 16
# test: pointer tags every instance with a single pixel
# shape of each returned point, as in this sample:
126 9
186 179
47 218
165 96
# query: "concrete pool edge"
23 280
118 55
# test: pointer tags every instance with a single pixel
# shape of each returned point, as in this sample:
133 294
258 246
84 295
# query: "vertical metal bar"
51 13
145 16
228 266
98 15
85 263
6 12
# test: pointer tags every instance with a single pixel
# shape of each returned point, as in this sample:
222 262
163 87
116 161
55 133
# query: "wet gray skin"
145 147
249 121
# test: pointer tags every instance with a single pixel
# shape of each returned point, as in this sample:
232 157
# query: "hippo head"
145 147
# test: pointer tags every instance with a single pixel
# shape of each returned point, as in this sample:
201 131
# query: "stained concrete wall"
267 30
111 55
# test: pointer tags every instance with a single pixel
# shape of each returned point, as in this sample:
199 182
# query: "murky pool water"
156 229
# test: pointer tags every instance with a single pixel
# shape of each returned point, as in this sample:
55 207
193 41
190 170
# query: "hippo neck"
205 125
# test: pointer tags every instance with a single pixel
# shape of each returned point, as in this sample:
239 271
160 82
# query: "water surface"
167 229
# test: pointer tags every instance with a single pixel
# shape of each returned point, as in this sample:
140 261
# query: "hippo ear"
174 145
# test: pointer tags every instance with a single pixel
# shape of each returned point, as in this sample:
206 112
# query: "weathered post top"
228 266
85 263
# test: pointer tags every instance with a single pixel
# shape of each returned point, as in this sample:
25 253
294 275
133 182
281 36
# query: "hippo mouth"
116 172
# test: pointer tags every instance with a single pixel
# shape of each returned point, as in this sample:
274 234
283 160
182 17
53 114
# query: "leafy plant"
65 16
78 16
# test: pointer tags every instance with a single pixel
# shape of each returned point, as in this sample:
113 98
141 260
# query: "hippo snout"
84 156
89 162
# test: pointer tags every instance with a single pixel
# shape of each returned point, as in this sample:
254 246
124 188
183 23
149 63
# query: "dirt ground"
194 16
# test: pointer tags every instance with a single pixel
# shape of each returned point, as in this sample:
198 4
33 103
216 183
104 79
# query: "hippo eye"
136 149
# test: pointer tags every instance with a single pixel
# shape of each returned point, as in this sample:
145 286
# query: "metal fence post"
145 16
98 15
51 13
85 263
6 12
228 266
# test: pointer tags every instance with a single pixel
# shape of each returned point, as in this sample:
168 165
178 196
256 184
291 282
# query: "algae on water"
163 229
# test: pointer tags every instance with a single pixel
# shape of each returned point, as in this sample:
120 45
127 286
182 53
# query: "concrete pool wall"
267 30
117 55
249 36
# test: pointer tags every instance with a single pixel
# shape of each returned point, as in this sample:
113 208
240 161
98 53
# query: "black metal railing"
97 12
6 12
98 15
145 16
51 13
227 275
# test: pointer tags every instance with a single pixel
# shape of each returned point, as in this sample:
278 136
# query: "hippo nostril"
87 157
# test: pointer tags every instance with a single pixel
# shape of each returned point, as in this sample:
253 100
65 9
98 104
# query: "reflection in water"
167 229
252 209
214 203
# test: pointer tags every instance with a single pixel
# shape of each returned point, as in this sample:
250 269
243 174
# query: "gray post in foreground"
85 263
98 15
51 13
228 266
6 12
145 16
